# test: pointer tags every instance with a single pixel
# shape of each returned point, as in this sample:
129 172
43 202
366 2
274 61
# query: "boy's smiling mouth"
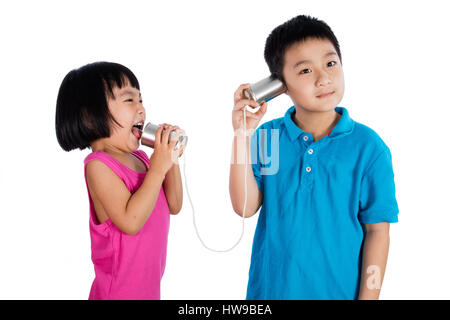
324 95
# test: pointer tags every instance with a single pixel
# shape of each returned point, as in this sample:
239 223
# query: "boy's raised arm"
237 186
240 145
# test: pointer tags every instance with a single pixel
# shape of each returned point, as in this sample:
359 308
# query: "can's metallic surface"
149 134
265 90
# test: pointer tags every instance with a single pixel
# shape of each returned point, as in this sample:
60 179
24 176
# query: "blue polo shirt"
316 196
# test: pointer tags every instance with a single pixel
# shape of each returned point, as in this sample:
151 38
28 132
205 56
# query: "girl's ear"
86 120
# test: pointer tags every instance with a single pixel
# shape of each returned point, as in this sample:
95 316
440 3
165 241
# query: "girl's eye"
305 71
131 100
331 63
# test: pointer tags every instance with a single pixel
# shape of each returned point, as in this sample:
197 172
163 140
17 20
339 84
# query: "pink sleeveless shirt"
128 266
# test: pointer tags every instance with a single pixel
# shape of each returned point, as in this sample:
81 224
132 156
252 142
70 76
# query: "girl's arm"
375 253
173 188
110 195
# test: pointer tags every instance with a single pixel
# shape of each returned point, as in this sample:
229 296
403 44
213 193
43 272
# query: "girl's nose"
141 108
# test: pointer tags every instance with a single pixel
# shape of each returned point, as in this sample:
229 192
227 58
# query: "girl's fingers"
158 136
165 136
181 150
173 141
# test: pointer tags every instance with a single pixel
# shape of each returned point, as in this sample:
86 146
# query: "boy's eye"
305 71
331 63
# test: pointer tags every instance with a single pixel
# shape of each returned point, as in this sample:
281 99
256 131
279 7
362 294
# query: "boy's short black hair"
82 113
295 30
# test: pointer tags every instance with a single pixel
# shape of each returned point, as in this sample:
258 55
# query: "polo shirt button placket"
309 161
308 168
307 178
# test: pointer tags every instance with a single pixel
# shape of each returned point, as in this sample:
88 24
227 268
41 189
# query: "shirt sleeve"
377 202
256 164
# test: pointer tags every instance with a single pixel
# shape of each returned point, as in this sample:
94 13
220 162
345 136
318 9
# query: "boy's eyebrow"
132 93
331 53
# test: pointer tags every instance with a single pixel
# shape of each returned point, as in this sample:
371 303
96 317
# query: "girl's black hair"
295 30
82 113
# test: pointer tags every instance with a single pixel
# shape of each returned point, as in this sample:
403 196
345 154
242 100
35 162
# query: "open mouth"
137 129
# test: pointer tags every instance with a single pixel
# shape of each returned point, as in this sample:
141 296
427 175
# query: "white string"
245 194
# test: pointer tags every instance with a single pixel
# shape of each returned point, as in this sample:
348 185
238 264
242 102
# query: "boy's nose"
323 79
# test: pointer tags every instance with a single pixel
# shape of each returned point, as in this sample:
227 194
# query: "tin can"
149 136
265 90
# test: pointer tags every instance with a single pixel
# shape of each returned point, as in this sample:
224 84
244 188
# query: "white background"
189 57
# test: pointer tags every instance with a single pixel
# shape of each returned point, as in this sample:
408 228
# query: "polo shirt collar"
343 127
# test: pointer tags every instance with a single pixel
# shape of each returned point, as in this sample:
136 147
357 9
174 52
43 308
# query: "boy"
324 182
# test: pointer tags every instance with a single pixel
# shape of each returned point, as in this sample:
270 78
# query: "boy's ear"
287 89
282 79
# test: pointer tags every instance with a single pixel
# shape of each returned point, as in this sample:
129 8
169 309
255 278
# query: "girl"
99 106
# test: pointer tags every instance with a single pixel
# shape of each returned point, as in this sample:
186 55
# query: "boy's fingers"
239 93
253 116
245 102
262 110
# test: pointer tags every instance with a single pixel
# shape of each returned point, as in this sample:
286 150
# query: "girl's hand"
178 132
240 103
164 155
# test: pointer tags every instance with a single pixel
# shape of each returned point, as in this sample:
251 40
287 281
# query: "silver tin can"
149 136
265 90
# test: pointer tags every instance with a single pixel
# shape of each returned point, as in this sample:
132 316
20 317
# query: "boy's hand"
164 155
240 103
